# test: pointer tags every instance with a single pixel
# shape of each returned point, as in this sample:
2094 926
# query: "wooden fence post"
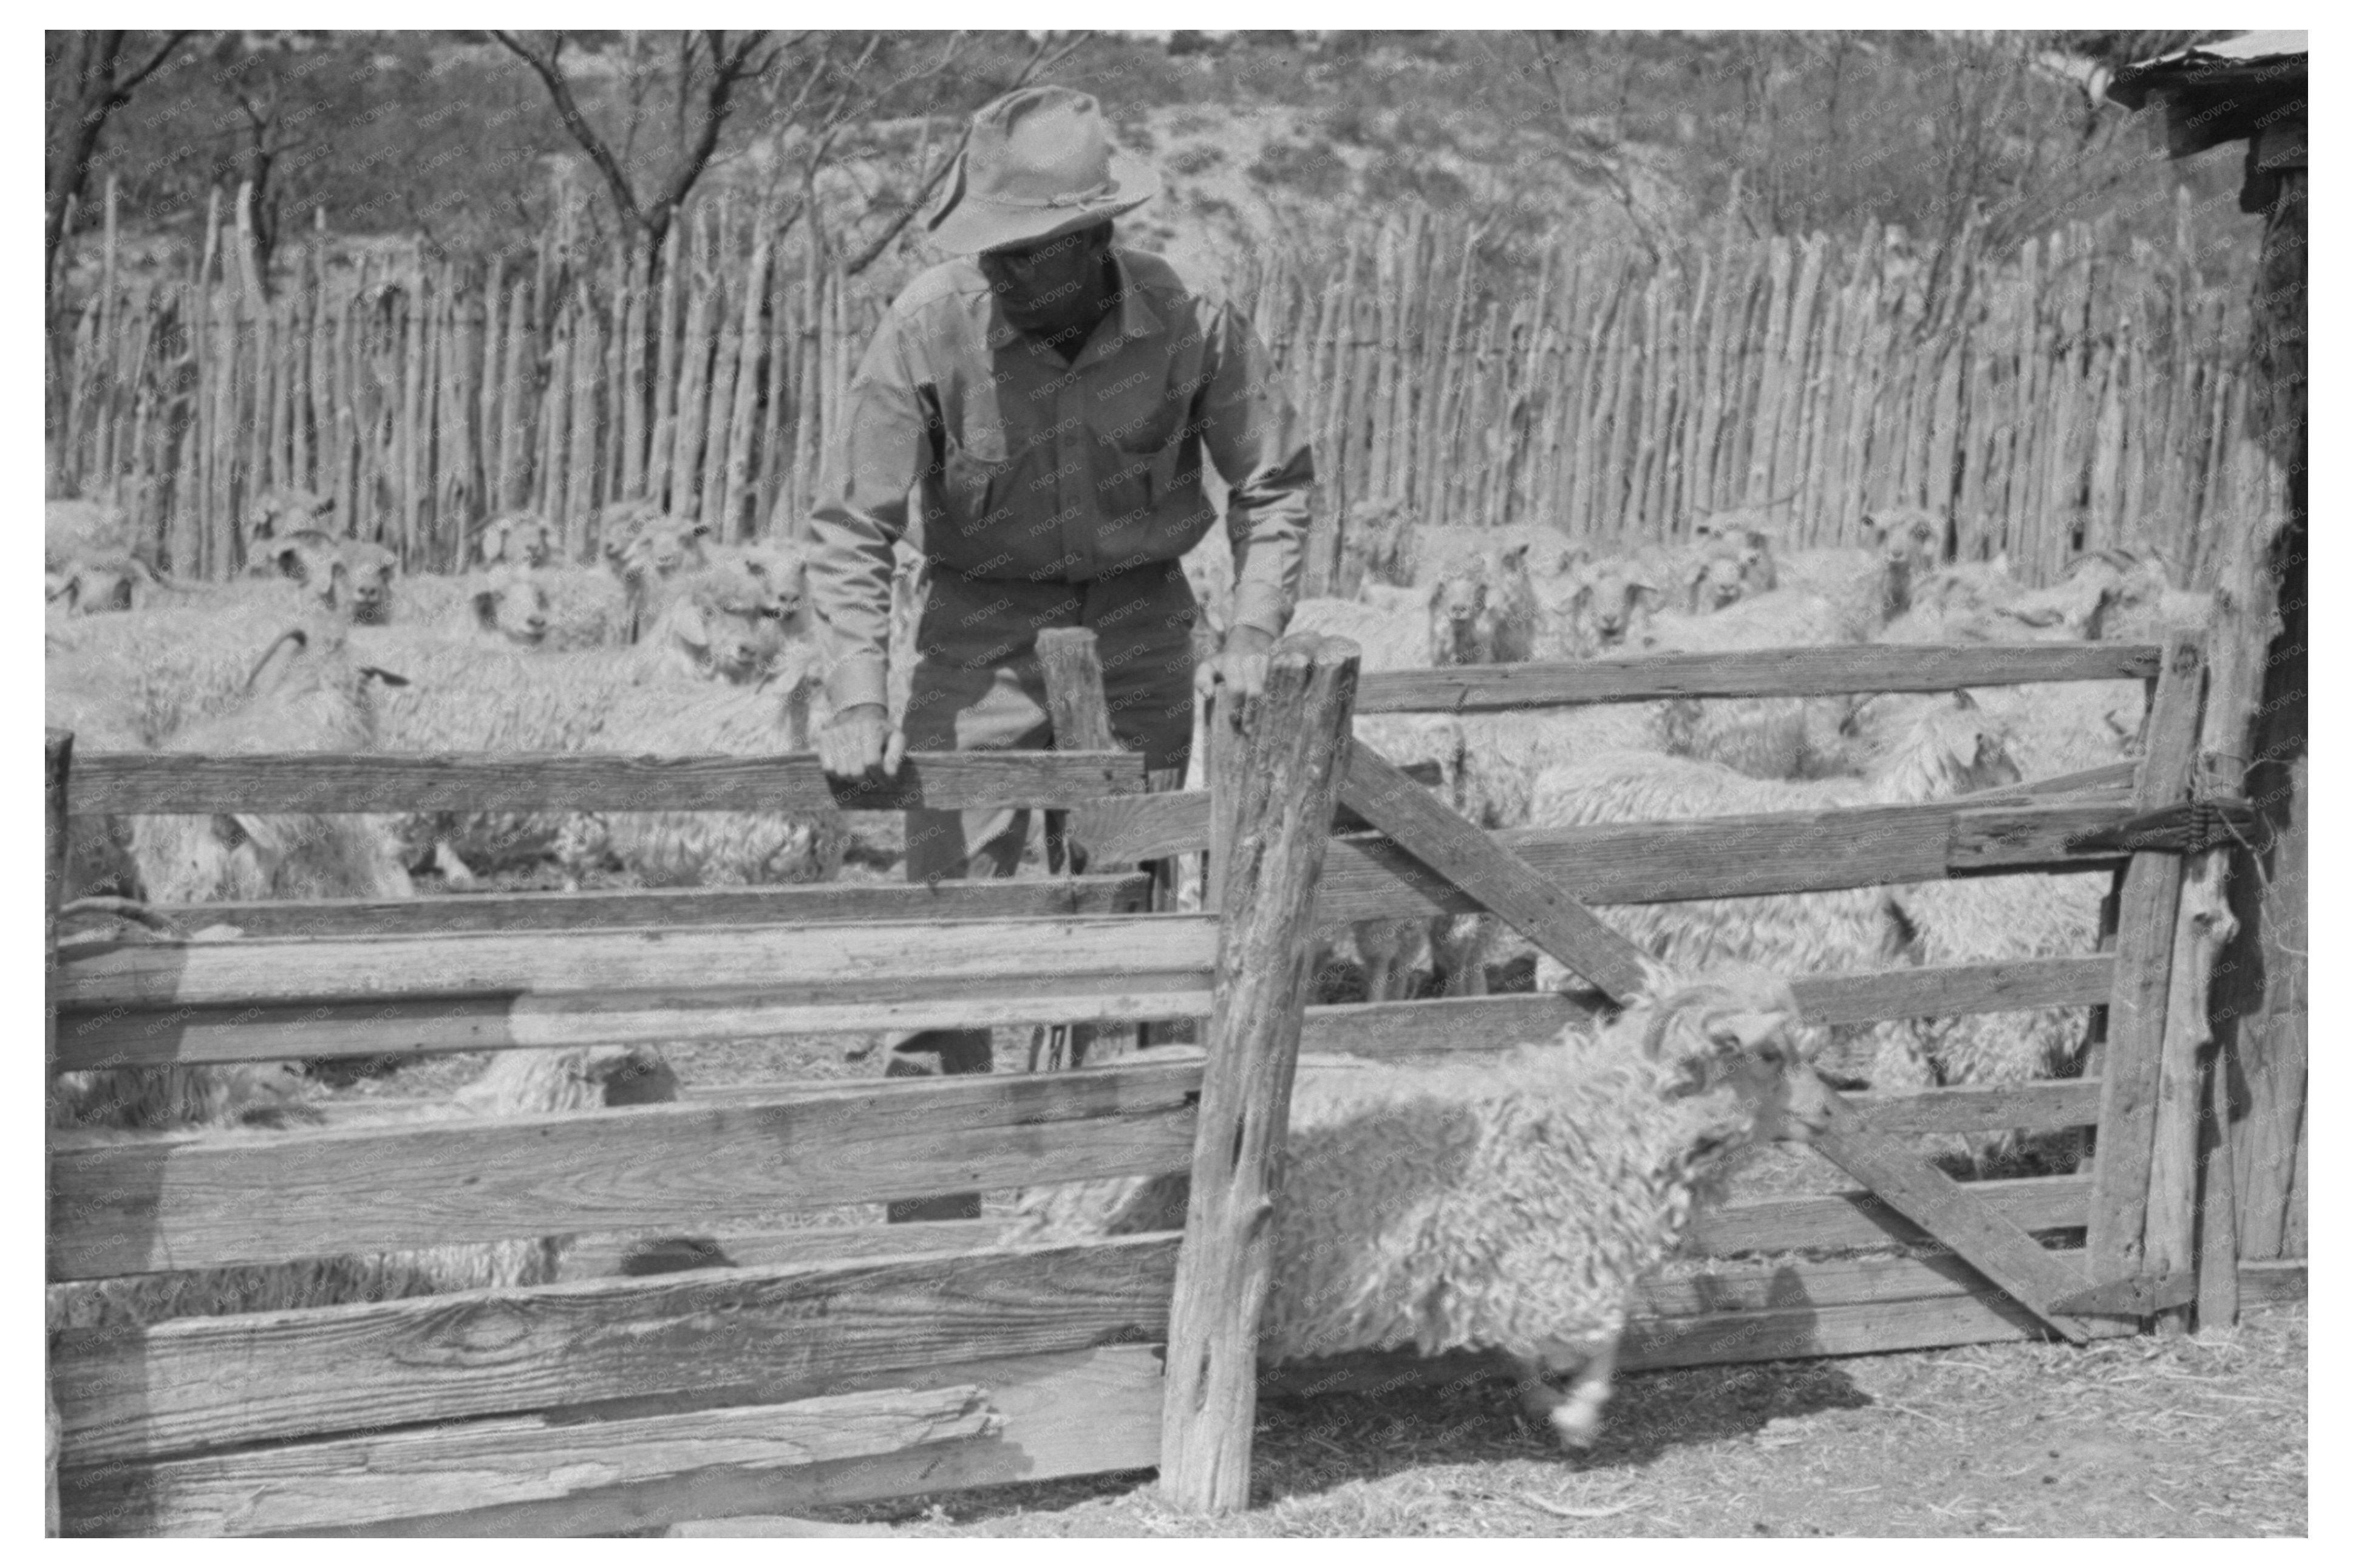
2131 1069
1081 717
58 760
1285 773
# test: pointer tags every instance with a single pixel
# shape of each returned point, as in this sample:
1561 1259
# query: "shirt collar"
1136 318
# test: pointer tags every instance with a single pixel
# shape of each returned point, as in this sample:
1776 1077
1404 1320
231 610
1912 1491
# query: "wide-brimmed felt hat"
1040 163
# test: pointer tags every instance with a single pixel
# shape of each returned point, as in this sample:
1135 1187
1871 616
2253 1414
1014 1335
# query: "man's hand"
1240 663
857 738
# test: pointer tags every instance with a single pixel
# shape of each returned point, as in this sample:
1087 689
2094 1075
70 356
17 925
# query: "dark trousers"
977 686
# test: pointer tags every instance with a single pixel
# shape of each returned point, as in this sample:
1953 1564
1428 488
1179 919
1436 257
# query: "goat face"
512 606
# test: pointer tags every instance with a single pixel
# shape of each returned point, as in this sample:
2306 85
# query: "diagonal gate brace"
1383 794
1989 1242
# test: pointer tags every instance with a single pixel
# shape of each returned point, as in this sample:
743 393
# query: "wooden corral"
696 1360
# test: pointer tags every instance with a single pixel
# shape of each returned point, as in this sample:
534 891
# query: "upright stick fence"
2057 395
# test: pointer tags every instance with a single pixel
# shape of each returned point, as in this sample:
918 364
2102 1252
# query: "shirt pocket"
1137 430
974 467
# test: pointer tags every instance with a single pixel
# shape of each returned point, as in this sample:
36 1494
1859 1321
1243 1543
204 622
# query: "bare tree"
713 71
88 81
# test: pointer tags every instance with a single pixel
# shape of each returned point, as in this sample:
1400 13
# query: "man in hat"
1048 396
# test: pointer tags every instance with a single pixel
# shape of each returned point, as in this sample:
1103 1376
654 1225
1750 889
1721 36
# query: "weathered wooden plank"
1494 1022
1907 1182
2132 1064
2029 1108
2265 1281
1780 1312
849 900
57 769
2109 777
178 1201
1279 773
813 961
1467 858
716 1335
1661 863
118 1036
1857 1219
359 1482
1081 713
1074 1414
2014 987
641 1253
121 783
1752 672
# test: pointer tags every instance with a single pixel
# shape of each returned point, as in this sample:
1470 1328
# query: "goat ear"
1517 556
486 605
687 625
1637 588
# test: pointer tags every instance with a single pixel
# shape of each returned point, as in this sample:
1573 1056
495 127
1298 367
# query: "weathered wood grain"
2108 778
56 768
2017 986
1952 1213
1075 1413
1751 672
1469 860
1857 1219
845 961
358 1482
121 783
1279 777
127 1036
717 1335
845 901
1665 863
2133 1062
2268 1281
180 1201
1387 1029
2027 1107
641 1253
1081 713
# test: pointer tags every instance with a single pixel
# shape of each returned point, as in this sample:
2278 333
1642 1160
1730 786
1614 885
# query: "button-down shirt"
1029 468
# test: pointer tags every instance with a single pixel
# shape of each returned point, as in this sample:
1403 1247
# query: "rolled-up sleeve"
861 512
1259 445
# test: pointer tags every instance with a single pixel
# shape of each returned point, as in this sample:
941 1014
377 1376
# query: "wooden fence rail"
2074 397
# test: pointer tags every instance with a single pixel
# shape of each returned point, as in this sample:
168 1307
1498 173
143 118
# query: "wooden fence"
793 1369
2044 399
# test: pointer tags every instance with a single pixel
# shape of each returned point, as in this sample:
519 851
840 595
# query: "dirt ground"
2194 1437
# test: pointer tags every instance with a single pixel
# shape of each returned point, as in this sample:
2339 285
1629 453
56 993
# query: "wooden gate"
2136 1204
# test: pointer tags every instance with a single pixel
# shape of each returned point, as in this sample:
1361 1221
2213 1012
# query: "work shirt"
1029 469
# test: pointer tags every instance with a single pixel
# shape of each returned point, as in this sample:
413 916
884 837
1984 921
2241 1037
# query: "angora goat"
308 694
1513 1205
681 849
1953 749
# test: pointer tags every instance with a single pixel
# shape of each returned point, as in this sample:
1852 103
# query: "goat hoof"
1576 1430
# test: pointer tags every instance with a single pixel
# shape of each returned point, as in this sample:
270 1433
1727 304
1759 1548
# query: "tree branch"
726 69
560 91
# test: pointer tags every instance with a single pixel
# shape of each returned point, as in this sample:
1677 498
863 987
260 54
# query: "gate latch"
2190 827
